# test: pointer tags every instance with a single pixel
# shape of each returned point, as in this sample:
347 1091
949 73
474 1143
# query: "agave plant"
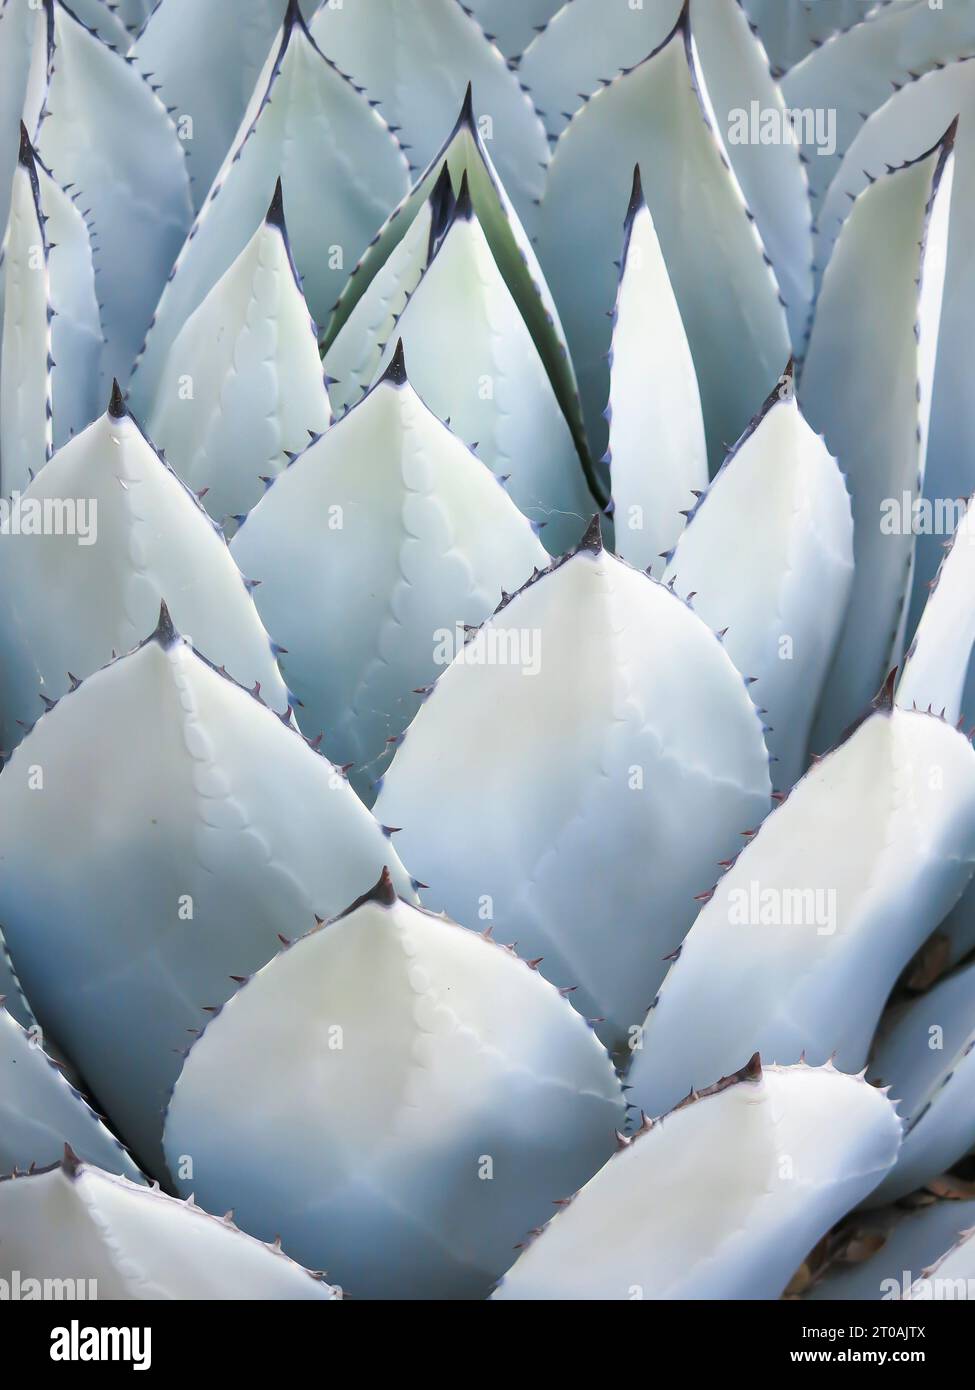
486 801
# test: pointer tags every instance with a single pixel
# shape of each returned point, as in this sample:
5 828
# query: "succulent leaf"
26 430
852 74
23 80
251 352
512 27
783 600
657 450
415 57
474 362
790 29
353 359
887 272
74 1224
52 326
908 124
464 152
122 533
653 116
628 739
129 176
218 827
104 19
745 1177
40 1110
925 1054
206 56
827 903
373 550
493 1095
879 1246
590 41
341 171
936 664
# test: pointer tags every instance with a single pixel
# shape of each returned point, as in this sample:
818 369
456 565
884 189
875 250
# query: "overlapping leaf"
242 386
473 361
104 533
657 450
826 904
374 550
464 152
341 171
217 829
581 824
75 1227
493 1096
40 1110
925 1053
129 176
875 341
722 1197
415 57
590 42
51 327
653 116
781 596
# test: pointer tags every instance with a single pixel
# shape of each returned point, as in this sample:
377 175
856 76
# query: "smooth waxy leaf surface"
735 323
853 74
722 1197
828 903
591 41
658 454
243 383
907 125
205 59
494 1096
341 171
782 596
937 661
124 1242
415 58
875 340
217 828
129 177
40 1110
581 824
103 534
473 361
373 550
464 152
882 1244
925 1053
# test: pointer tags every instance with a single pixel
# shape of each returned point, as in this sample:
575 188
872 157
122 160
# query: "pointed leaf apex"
293 18
165 633
592 540
383 891
466 116
464 208
395 373
71 1164
275 213
637 200
752 1070
884 699
116 406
